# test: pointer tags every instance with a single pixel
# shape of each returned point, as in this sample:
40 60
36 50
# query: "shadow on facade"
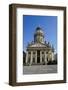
54 62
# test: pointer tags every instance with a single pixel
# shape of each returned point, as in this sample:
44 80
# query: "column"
31 57
40 57
36 58
45 58
26 57
52 56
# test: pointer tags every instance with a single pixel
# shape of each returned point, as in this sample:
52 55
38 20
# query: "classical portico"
39 51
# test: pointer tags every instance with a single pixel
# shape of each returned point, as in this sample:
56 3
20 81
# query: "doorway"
38 56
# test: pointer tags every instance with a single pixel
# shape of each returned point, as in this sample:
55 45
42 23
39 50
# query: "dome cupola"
39 31
39 35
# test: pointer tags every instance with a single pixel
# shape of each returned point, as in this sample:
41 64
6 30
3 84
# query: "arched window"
34 53
33 59
28 59
42 59
29 52
42 52
47 58
46 52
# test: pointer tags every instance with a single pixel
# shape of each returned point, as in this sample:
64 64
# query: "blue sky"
47 23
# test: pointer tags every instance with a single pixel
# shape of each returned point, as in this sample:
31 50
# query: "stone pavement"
39 69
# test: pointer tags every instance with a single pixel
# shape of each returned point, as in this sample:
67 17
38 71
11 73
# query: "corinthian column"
26 57
45 58
52 56
31 57
40 57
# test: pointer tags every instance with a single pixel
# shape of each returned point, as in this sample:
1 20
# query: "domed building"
39 51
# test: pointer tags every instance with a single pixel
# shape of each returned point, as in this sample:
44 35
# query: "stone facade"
39 51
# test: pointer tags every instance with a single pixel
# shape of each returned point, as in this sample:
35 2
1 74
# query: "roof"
38 28
38 45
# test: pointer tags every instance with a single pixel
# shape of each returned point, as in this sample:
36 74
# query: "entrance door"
38 56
